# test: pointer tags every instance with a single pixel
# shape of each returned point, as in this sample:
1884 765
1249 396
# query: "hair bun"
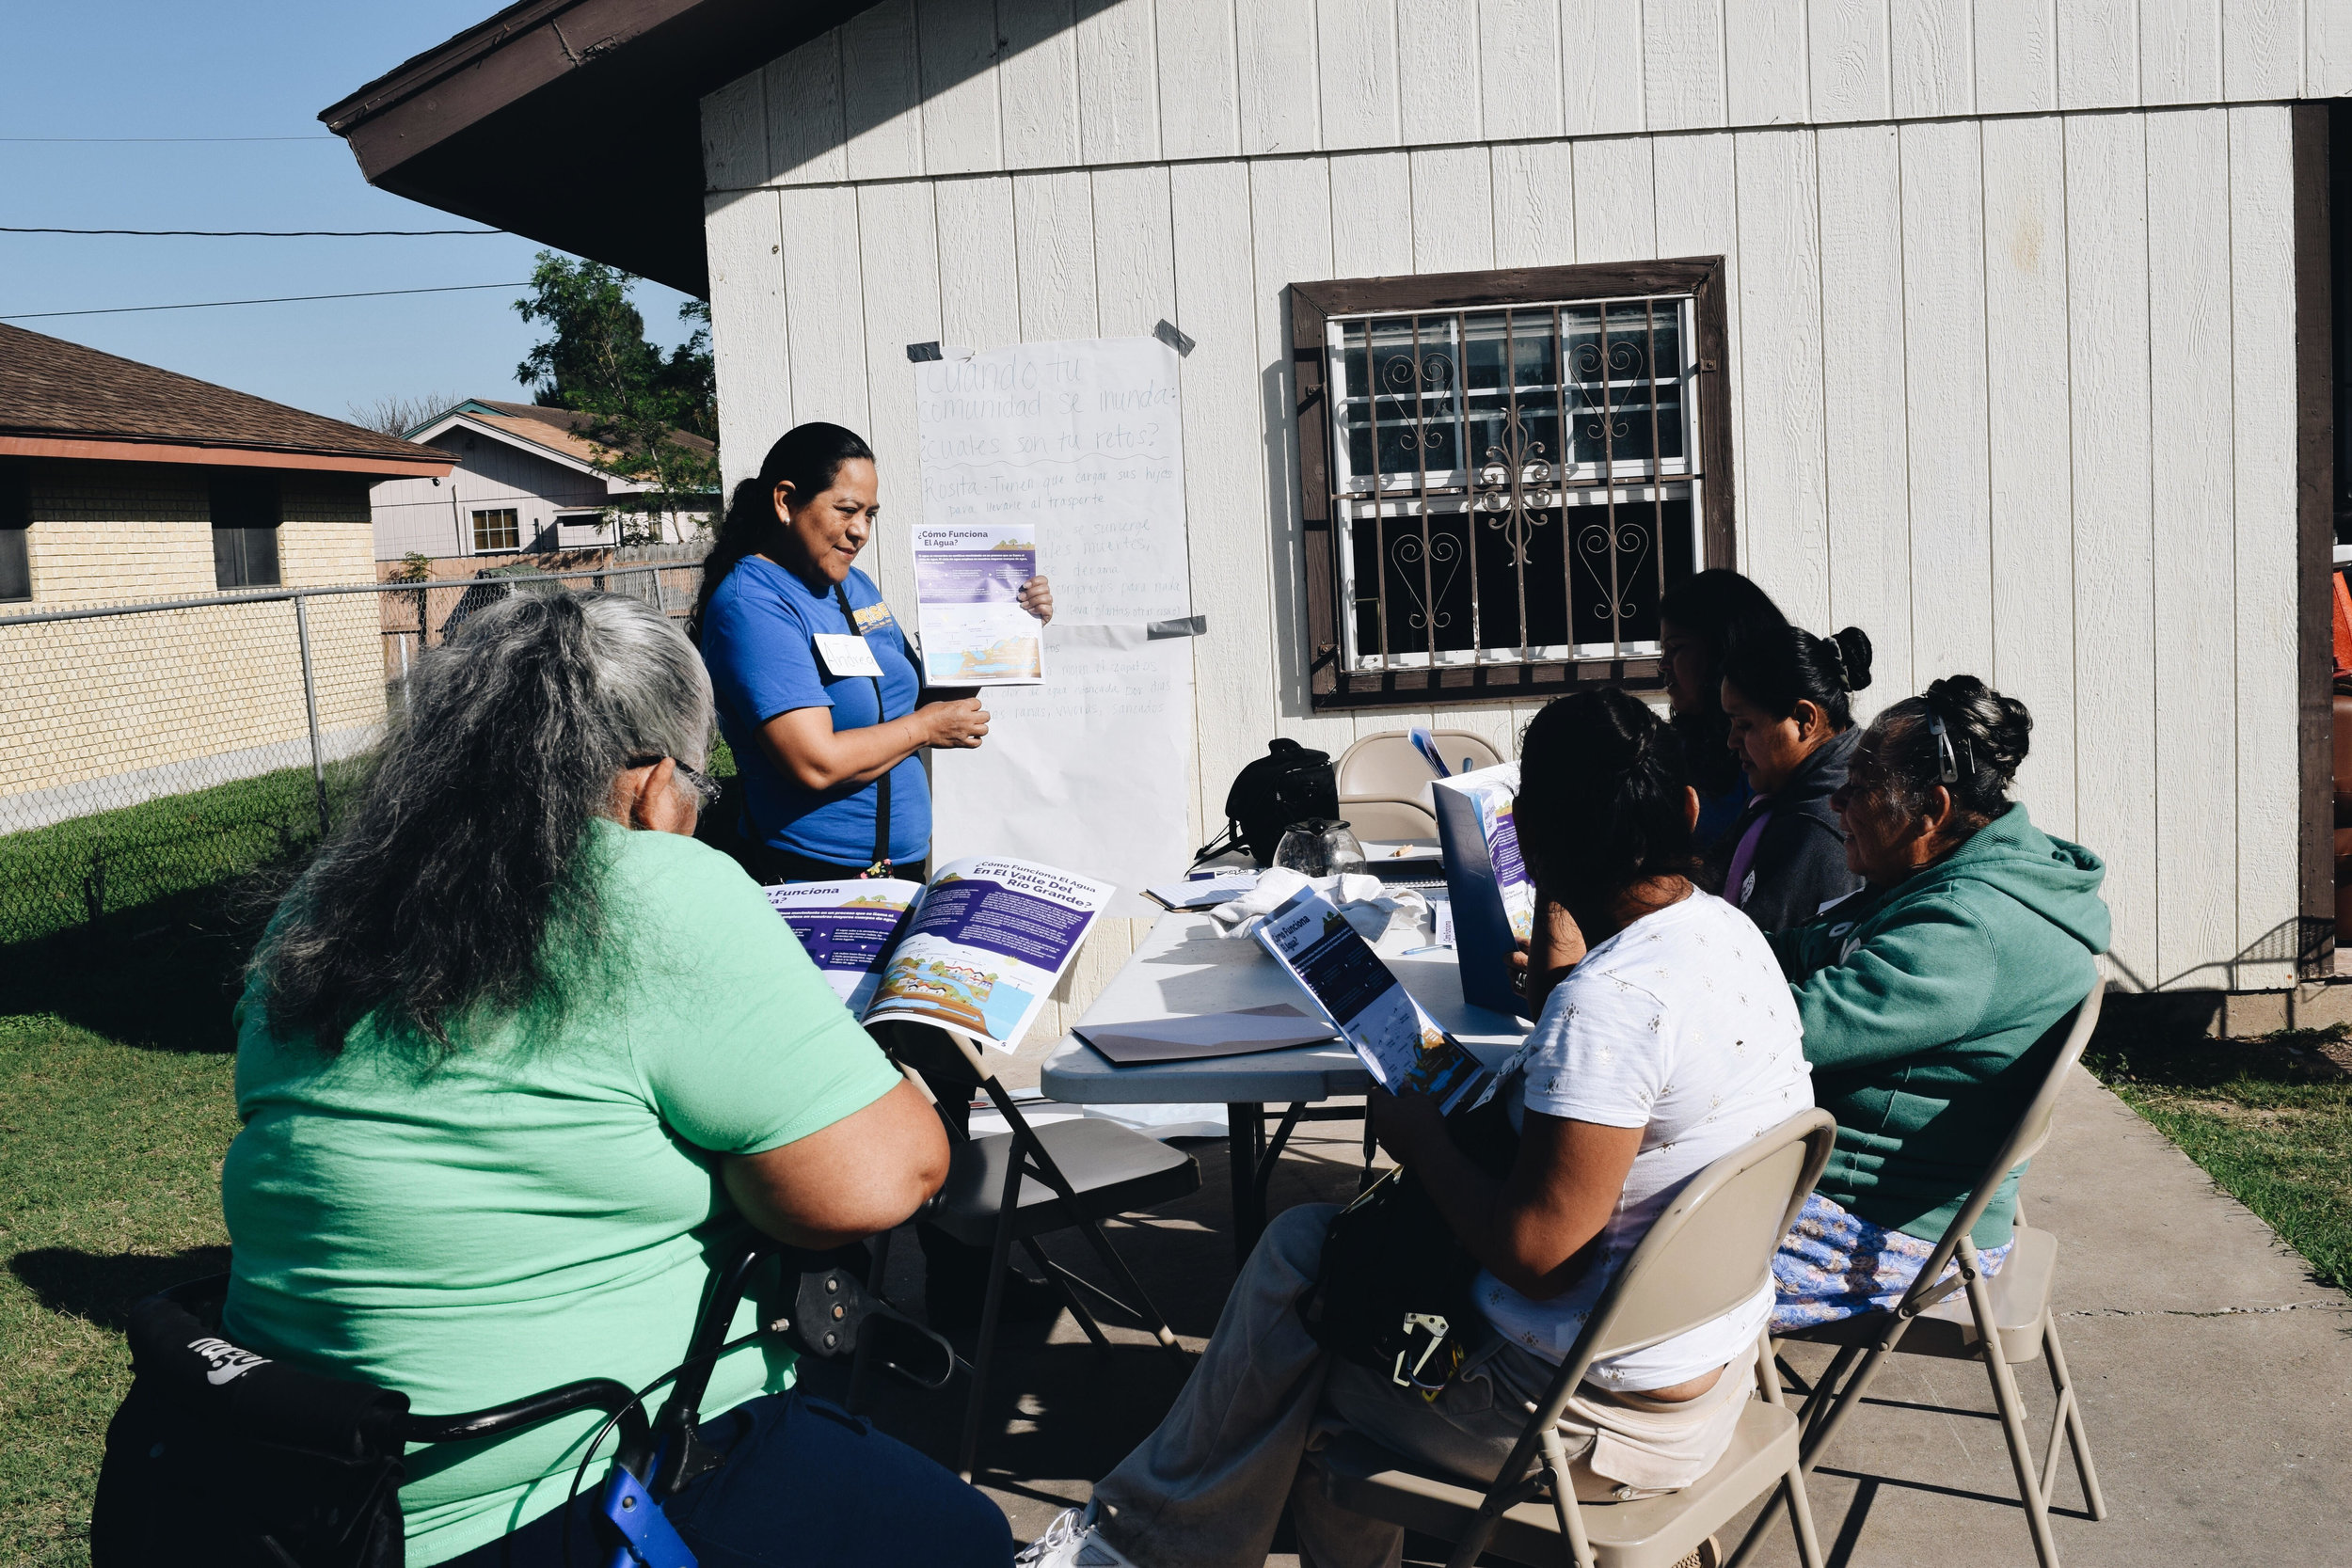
1854 655
1998 729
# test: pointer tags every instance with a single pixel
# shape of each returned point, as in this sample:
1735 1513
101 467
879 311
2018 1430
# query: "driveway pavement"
2215 1376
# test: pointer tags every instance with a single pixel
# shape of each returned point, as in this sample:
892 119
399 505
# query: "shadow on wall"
2302 942
101 1287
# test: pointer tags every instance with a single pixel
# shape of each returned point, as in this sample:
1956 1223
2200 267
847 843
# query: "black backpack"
220 1458
1290 783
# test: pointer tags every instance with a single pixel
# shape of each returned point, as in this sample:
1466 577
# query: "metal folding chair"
1021 1184
1998 1319
829 1314
1708 1253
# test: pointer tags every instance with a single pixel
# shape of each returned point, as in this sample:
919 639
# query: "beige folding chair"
1708 1252
2004 1319
1030 1181
1384 783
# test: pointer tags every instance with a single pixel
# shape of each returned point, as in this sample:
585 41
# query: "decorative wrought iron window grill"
1509 476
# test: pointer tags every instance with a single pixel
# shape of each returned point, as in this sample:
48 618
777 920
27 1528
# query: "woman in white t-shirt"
1667 1039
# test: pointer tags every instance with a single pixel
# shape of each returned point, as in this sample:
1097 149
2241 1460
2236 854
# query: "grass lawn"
109 1188
2270 1121
55 877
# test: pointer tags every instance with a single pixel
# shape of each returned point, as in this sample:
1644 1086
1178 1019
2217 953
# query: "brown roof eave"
112 449
531 119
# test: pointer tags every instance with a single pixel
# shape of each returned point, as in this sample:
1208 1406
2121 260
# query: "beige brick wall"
112 710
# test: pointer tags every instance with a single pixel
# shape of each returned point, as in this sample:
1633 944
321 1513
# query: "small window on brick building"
497 529
245 514
16 522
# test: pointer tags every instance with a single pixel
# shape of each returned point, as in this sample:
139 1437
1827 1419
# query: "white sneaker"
1072 1541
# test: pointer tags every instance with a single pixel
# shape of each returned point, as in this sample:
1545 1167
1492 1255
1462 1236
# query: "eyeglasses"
706 788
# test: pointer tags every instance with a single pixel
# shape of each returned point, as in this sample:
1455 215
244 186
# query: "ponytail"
1603 795
807 457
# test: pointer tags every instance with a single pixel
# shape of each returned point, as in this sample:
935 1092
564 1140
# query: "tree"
397 416
597 362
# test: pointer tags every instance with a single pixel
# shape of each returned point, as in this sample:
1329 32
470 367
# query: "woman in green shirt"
1923 995
517 1057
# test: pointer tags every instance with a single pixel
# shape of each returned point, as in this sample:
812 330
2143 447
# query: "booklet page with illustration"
1487 882
975 632
1401 1044
976 950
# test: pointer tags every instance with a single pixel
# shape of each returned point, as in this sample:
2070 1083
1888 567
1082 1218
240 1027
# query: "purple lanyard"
1742 857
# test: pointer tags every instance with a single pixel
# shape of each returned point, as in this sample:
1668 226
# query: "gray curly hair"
459 872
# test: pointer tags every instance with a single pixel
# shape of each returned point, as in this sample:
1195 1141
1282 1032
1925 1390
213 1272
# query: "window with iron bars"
1503 472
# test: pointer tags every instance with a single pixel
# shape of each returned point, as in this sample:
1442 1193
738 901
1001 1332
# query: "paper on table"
1204 892
975 633
1202 1036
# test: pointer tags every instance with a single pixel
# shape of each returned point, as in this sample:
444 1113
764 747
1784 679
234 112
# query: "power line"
278 299
257 233
95 140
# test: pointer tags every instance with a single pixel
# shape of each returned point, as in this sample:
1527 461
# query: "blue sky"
104 68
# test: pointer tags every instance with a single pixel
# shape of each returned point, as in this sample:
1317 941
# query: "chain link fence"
156 757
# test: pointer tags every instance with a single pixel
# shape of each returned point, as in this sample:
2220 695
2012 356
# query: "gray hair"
457 877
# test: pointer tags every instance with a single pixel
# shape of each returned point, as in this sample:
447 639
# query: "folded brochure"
1400 1044
976 950
1494 902
1202 1036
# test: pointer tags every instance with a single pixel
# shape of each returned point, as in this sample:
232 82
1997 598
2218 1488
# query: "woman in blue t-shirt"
818 689
820 697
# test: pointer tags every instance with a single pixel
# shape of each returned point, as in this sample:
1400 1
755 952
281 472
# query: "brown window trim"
1329 685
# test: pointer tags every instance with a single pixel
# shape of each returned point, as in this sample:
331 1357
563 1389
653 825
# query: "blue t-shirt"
755 638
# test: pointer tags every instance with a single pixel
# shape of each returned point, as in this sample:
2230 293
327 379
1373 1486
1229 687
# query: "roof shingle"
52 388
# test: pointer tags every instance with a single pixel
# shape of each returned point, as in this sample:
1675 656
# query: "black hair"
1720 607
807 457
1777 669
1602 800
1984 737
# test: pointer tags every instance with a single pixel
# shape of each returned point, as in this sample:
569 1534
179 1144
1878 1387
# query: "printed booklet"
1494 903
975 632
1400 1044
976 950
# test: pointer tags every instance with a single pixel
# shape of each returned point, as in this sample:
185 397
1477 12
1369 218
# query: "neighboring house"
122 483
2005 331
527 479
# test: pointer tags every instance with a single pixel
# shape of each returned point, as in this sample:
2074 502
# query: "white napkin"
1368 903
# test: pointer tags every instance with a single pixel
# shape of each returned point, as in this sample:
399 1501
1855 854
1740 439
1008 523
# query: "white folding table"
1187 967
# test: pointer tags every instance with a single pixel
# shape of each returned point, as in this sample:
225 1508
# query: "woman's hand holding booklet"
1400 1044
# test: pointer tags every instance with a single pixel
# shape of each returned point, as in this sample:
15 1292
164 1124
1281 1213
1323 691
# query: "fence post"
311 705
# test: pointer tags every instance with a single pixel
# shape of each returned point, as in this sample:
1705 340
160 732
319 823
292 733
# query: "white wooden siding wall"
1957 349
962 87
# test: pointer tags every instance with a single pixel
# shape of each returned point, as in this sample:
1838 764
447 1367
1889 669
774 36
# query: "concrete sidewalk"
2215 1376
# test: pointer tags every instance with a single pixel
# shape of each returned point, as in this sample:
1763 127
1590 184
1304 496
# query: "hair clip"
1948 765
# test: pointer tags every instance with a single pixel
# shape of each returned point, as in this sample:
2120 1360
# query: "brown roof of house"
53 388
571 421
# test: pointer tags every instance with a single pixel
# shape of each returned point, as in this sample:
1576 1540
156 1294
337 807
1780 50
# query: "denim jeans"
804 1483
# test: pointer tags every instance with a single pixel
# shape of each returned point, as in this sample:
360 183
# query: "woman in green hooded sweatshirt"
1922 995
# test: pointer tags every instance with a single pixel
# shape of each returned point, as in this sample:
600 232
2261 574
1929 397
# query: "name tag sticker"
845 655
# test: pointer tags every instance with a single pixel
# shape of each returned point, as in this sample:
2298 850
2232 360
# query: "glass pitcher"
1319 847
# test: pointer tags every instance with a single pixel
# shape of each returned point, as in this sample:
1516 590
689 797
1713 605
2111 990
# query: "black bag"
1393 1288
1290 783
222 1457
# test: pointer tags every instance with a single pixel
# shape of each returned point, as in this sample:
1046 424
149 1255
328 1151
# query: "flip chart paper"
1091 771
975 632
1083 440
